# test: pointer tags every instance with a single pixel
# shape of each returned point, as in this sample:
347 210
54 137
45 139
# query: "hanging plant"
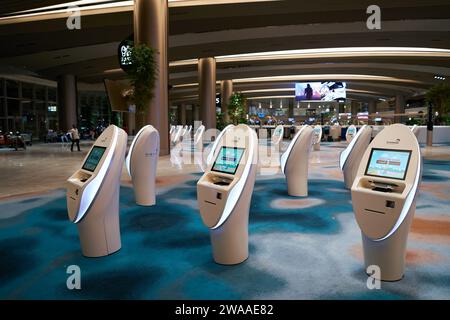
142 73
237 108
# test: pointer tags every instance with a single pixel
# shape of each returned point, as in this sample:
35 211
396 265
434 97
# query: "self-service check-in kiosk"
294 162
93 194
277 138
198 138
384 198
172 127
416 130
350 158
141 163
176 135
317 137
350 134
224 193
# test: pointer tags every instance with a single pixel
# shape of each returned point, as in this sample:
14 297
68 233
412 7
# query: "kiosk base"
146 197
230 240
389 254
100 237
297 186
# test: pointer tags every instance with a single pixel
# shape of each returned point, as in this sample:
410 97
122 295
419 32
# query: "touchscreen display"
388 163
228 160
94 158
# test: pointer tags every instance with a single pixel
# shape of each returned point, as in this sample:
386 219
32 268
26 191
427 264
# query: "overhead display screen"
228 160
94 158
320 91
388 163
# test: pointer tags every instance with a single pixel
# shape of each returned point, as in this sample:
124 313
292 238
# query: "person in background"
75 138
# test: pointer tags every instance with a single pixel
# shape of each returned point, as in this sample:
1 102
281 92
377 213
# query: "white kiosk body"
198 138
93 194
350 134
317 137
141 163
187 138
294 162
224 193
350 158
277 138
177 133
384 198
416 130
172 128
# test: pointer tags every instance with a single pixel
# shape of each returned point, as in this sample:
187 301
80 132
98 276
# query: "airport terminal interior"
229 149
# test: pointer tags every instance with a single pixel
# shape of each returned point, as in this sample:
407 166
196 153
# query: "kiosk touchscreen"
317 137
224 193
294 162
198 138
141 163
93 194
350 134
277 137
350 158
384 198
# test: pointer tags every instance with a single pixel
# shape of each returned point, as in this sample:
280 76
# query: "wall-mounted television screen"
94 158
228 160
320 91
388 163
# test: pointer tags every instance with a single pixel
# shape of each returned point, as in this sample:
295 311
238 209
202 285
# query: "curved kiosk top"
177 134
294 162
350 157
93 194
141 163
224 193
350 134
384 196
211 153
416 130
317 137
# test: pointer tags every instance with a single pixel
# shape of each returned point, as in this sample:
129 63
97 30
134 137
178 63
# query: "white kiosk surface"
350 157
141 163
93 194
384 198
198 138
350 134
317 137
277 137
177 133
294 162
224 193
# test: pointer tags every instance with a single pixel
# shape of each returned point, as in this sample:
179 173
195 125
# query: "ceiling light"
271 97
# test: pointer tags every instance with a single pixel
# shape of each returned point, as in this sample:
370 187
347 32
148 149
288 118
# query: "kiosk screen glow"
228 160
94 158
388 163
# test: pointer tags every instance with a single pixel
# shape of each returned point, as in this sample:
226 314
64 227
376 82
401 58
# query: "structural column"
150 28
207 91
226 90
372 111
67 101
354 110
399 107
182 114
196 112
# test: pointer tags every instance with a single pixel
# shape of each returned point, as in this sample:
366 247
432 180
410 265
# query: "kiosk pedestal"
224 193
294 162
93 194
384 198
141 164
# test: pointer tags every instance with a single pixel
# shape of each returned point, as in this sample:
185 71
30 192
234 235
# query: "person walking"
75 138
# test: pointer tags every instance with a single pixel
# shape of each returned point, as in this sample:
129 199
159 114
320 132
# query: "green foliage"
237 108
220 121
439 96
142 75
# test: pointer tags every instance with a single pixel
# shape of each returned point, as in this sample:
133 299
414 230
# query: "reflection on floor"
300 248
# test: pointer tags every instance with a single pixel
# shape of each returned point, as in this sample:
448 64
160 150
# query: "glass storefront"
33 108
